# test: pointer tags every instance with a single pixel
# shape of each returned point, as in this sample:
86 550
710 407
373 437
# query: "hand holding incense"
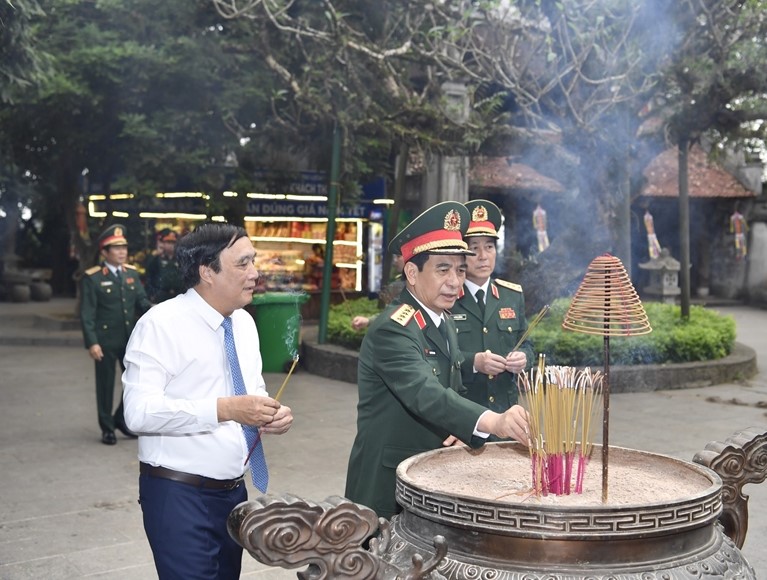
276 398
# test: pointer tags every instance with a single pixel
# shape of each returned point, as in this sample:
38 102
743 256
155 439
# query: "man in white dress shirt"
179 396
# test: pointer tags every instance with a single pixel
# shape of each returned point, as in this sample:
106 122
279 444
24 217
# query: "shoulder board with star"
509 285
129 267
403 314
92 271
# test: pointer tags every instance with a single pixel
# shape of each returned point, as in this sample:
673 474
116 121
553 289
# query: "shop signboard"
301 209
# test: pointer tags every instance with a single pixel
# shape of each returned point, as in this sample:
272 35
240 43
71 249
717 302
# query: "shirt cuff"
477 432
208 416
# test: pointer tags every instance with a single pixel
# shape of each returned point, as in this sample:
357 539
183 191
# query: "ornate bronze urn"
469 515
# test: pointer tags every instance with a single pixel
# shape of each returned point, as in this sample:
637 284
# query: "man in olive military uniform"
163 280
409 376
112 296
490 317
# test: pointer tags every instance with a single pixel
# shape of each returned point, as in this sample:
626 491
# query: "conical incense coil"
606 303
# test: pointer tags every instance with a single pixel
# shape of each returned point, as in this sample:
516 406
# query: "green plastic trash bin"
278 319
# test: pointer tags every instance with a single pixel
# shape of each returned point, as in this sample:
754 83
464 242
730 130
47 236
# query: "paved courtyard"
68 505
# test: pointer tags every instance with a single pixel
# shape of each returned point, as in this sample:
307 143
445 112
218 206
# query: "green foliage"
706 336
22 64
340 316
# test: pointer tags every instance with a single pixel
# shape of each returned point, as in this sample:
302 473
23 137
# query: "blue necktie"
258 470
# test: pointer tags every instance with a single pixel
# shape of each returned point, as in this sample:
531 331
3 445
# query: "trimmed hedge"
340 316
706 336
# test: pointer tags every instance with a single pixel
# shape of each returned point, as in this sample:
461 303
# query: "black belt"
189 478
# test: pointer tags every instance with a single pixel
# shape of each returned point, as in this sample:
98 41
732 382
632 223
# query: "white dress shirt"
472 287
116 270
175 370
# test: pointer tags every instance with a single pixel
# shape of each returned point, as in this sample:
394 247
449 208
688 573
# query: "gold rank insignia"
509 285
403 314
92 270
507 313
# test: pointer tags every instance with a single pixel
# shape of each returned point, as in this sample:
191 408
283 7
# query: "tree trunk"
622 224
399 198
11 206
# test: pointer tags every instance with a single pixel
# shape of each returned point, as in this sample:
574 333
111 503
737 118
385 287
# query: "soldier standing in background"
163 280
490 317
112 297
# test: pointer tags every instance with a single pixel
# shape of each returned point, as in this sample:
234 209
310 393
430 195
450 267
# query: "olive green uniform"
498 331
108 312
163 280
409 400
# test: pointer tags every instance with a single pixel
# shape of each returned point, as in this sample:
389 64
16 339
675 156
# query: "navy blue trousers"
186 529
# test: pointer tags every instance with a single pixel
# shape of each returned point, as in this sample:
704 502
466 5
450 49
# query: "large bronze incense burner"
660 518
491 514
471 515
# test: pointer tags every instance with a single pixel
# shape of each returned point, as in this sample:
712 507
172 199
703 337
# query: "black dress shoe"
123 428
108 438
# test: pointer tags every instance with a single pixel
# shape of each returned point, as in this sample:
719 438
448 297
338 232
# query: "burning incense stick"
285 382
276 398
591 389
532 398
533 323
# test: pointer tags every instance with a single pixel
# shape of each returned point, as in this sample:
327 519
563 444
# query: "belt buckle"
233 484
236 483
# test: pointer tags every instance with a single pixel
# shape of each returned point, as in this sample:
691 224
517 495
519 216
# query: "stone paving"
68 505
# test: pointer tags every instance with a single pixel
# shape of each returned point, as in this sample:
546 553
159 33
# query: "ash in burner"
501 472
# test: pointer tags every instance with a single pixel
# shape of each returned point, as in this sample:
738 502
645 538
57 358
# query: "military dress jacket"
498 331
410 400
110 306
163 279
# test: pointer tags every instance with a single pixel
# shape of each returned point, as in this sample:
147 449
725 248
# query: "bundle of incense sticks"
562 403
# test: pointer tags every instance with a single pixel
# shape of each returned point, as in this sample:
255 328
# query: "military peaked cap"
167 235
438 230
486 218
114 235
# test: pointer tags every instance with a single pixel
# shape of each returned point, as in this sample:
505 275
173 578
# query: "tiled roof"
501 173
705 178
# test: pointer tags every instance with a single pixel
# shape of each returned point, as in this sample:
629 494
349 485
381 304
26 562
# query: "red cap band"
434 240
